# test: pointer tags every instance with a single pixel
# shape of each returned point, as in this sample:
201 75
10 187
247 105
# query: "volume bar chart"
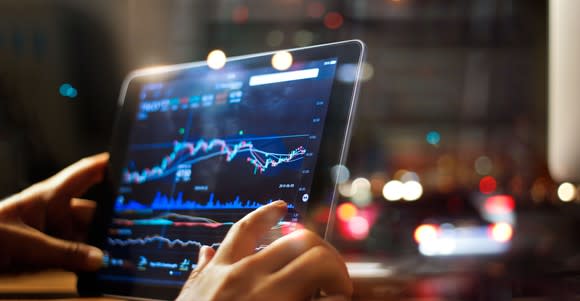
163 202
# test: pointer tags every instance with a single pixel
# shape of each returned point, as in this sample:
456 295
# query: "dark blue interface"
206 148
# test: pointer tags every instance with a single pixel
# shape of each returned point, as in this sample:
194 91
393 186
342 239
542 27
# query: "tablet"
196 148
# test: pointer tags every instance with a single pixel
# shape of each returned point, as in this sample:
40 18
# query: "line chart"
157 239
163 202
192 153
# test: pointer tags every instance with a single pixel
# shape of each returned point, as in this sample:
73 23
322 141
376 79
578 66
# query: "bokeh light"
275 38
216 59
346 211
315 9
339 173
393 190
483 165
412 190
433 137
282 60
240 14
425 233
499 204
303 38
358 227
566 192
367 72
487 185
67 90
501 232
362 195
333 20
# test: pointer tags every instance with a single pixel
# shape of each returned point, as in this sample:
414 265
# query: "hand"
294 267
40 227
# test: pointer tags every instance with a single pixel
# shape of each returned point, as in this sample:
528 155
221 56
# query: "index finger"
77 178
243 237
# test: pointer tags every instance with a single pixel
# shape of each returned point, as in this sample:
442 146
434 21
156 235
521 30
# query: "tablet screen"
205 148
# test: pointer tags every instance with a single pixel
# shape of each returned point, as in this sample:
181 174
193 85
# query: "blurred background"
447 173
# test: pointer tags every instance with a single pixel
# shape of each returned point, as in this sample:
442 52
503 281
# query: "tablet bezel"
333 150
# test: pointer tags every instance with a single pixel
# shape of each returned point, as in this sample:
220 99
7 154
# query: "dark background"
474 72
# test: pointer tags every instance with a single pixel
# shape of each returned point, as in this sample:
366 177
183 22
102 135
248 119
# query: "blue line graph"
157 239
163 202
185 153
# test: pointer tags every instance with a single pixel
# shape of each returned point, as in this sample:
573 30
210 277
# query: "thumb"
37 250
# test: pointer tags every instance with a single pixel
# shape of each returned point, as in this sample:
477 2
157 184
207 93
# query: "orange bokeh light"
346 212
501 232
425 233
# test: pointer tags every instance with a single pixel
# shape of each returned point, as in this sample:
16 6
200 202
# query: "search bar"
272 78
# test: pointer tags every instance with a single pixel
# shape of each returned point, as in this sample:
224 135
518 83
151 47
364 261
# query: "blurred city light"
346 211
499 204
483 165
216 59
240 14
362 195
425 233
303 38
408 176
566 192
501 232
315 9
346 189
274 38
340 174
367 72
67 90
358 227
393 190
347 73
282 60
487 185
333 20
433 137
412 190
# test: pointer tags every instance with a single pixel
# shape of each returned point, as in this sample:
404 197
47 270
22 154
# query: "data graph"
154 239
164 202
188 153
173 219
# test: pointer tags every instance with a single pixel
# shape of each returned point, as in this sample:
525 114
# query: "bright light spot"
315 10
333 20
358 227
67 90
426 233
566 192
281 60
367 72
347 73
340 174
274 38
501 232
393 190
483 165
362 195
412 191
346 211
216 59
303 38
487 185
433 137
499 204
346 189
446 246
409 176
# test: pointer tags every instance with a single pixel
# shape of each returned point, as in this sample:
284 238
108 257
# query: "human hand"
40 227
294 267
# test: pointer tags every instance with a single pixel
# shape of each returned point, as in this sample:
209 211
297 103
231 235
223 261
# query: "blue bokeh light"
67 90
433 137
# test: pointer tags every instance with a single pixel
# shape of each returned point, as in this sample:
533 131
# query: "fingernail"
95 258
279 203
